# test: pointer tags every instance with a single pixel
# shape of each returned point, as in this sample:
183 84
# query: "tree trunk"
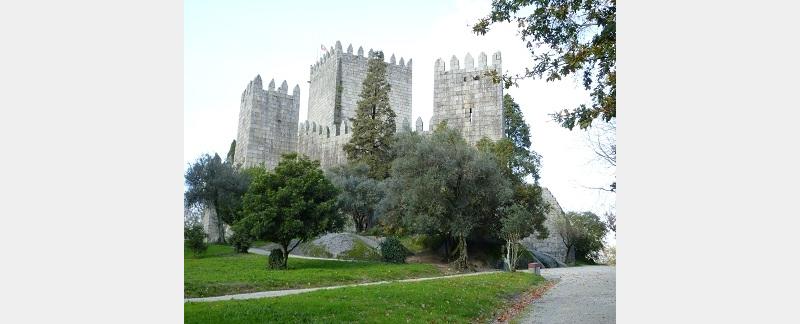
447 248
461 260
285 255
566 256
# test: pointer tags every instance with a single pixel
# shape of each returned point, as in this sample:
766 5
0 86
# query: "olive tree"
359 195
444 184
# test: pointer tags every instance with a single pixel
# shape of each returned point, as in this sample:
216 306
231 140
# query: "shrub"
241 242
276 259
193 239
393 250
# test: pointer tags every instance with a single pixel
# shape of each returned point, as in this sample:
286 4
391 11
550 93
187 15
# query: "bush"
241 242
393 250
276 259
193 239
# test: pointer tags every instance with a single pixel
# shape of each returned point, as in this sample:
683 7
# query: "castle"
465 98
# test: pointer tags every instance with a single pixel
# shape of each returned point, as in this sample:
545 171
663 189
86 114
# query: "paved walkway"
260 251
278 293
582 295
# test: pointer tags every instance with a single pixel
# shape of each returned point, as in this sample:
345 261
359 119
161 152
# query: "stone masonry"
467 99
267 124
552 245
336 82
338 77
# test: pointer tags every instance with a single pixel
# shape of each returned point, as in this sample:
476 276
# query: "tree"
582 233
611 221
374 123
519 163
359 195
231 153
602 139
524 161
293 202
566 37
443 184
217 185
568 232
193 238
515 225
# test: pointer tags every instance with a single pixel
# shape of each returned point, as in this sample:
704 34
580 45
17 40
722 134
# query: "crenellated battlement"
310 128
267 121
467 99
469 64
336 51
255 86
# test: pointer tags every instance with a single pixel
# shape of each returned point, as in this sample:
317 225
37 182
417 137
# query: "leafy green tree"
231 153
582 233
444 184
374 124
515 225
217 185
590 244
294 202
359 195
566 37
519 163
193 238
523 161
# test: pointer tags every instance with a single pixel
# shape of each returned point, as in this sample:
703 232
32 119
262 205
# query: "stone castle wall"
467 99
323 143
348 70
552 245
267 124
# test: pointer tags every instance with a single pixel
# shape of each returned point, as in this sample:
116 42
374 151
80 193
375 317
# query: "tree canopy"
566 37
374 124
582 233
217 185
294 202
359 195
444 184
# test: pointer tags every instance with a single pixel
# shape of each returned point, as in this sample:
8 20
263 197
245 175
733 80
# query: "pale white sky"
227 43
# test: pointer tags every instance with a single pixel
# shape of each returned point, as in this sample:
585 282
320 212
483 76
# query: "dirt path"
582 295
278 293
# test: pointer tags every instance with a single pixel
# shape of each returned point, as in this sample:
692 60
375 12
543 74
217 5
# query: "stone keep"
467 99
336 82
552 245
267 124
338 77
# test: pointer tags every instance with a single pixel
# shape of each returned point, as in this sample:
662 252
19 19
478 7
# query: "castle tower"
336 82
467 99
267 124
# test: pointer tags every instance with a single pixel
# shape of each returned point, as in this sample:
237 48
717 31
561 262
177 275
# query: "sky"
227 43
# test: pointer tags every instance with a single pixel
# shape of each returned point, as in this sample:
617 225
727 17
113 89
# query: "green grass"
360 251
214 250
414 243
457 300
241 273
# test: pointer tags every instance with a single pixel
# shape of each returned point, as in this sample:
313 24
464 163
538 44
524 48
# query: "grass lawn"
214 250
457 300
222 272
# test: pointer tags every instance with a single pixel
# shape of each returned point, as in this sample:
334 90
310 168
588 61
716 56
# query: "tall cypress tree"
374 124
